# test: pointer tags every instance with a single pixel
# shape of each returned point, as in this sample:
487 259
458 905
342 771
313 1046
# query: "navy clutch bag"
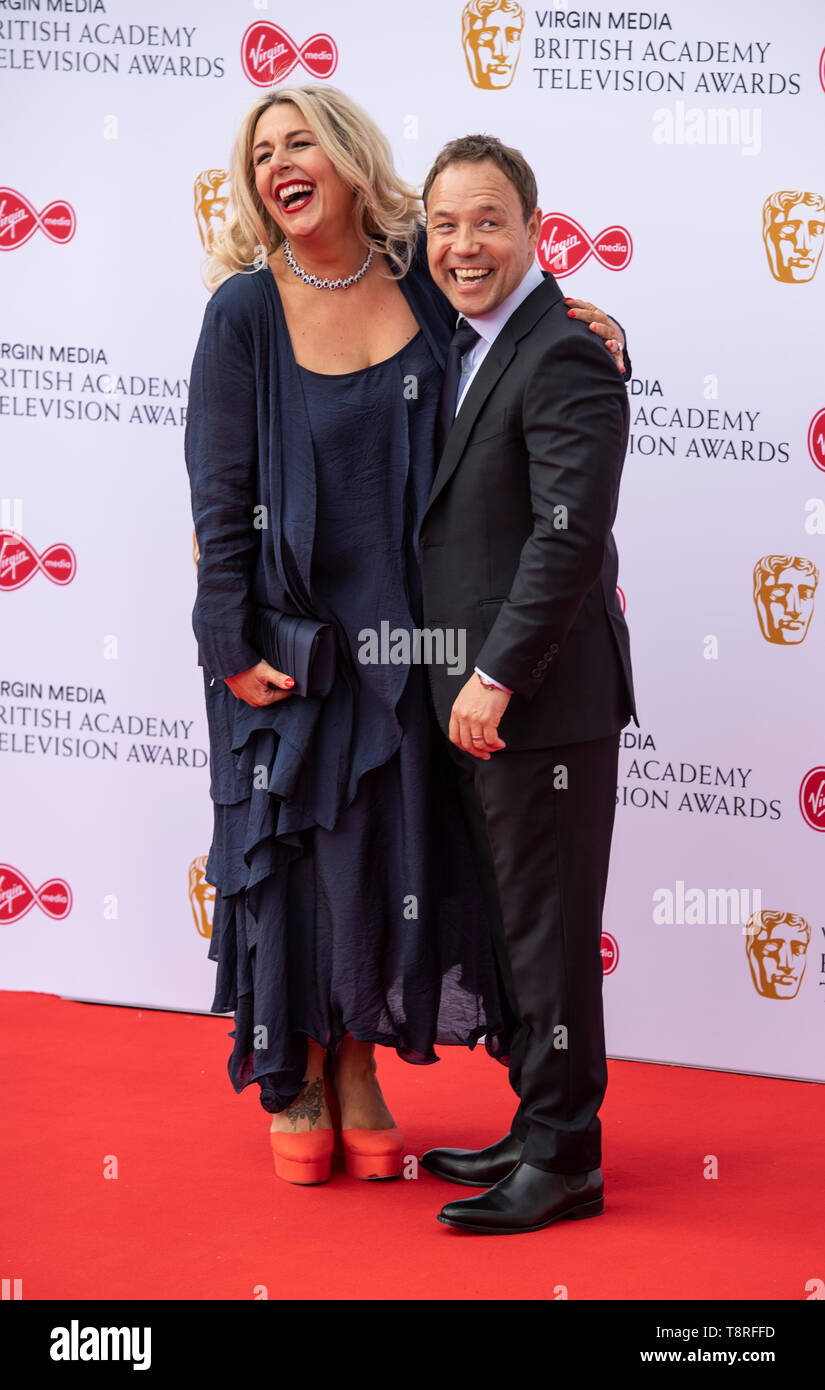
300 647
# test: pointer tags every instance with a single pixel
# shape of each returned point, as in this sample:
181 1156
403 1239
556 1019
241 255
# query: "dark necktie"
463 339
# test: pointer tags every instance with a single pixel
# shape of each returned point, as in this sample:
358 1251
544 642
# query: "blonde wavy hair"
387 210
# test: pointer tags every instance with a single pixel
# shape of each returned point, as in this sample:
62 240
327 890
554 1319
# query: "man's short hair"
472 149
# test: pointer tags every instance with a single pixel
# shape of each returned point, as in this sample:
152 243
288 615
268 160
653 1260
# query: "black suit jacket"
516 545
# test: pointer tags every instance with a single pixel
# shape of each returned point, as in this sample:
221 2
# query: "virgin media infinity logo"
816 439
564 246
268 54
610 953
19 220
812 798
18 896
19 561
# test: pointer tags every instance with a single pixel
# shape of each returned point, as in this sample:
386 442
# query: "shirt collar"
489 325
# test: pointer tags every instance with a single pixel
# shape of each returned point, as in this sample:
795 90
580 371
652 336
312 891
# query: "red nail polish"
571 313
289 680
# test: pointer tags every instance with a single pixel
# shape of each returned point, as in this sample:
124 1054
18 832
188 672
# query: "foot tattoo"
308 1105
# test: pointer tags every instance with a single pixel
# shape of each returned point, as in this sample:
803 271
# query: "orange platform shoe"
307 1158
303 1158
373 1153
367 1153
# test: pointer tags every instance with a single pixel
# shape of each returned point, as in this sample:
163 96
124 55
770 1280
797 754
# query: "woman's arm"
221 451
610 332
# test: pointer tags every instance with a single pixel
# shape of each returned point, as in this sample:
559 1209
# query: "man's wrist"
489 683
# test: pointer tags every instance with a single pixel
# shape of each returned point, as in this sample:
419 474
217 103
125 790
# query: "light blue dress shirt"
488 326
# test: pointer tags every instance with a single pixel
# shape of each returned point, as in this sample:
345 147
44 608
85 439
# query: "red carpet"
196 1211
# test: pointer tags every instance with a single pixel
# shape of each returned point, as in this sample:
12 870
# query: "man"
516 547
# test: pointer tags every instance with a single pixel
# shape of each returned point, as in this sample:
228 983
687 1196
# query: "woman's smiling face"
297 182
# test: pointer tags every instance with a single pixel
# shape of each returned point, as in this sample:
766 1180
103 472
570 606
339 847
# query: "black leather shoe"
528 1199
474 1167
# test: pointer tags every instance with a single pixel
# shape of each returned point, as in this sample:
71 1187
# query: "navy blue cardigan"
250 461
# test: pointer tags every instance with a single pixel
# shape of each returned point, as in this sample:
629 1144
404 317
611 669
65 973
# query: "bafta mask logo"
793 226
784 587
201 896
777 948
211 203
491 37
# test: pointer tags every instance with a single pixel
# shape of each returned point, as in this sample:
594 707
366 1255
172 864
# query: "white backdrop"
660 134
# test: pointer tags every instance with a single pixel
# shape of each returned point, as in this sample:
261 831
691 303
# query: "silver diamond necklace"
325 284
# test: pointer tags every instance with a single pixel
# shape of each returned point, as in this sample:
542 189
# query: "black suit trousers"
542 823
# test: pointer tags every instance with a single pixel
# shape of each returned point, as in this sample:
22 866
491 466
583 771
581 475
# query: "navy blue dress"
346 895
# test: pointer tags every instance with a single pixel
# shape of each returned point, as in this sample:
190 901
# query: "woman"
347 908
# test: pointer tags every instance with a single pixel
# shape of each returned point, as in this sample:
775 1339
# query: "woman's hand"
599 322
255 685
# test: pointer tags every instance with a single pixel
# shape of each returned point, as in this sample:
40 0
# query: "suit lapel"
498 358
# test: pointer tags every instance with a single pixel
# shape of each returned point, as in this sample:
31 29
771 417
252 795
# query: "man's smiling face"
479 247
